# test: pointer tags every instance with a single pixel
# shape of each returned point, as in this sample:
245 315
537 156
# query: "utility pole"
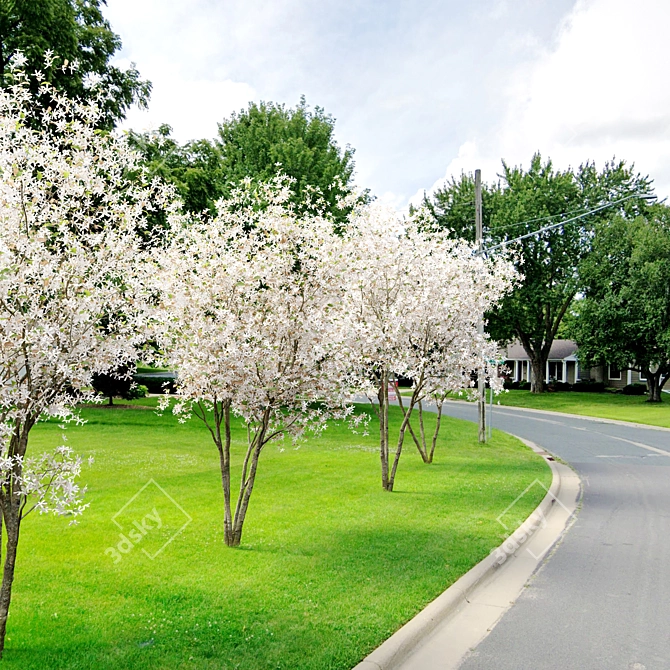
481 400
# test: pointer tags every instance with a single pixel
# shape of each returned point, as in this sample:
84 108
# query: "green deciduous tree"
258 143
624 317
194 168
267 139
523 201
76 31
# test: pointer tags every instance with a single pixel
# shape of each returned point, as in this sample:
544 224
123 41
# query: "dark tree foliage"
521 202
624 316
195 168
114 383
77 32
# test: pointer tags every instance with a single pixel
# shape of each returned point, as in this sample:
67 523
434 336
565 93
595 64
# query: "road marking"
641 445
628 455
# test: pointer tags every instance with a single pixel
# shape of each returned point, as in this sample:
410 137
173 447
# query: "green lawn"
603 405
330 564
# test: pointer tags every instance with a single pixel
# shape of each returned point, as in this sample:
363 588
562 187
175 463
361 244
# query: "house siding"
519 366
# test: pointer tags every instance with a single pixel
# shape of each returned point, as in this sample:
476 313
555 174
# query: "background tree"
76 32
113 383
258 144
521 202
268 139
70 260
194 168
624 317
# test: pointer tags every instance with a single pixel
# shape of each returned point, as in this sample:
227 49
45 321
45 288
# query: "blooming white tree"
413 303
250 319
70 270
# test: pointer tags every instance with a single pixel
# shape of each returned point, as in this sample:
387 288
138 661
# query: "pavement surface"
602 599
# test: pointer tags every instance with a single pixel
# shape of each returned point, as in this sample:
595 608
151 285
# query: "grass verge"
602 405
330 564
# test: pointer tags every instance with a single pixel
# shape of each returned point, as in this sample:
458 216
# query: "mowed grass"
602 405
330 564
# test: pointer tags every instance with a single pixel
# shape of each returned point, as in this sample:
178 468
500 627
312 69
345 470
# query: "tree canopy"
268 138
79 35
624 317
259 143
521 202
194 168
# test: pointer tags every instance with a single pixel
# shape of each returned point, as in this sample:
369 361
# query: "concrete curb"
402 643
595 419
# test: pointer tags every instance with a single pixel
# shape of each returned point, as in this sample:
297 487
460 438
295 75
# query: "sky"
422 89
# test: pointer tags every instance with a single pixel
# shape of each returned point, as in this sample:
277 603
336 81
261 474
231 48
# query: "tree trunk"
111 400
12 525
654 386
422 432
401 441
420 445
224 461
538 366
383 396
11 508
247 480
440 403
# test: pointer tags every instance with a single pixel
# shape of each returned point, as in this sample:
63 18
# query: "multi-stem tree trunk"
233 523
404 426
254 447
440 404
422 444
222 415
655 383
382 409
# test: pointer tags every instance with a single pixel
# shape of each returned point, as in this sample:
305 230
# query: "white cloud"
192 108
601 91
407 82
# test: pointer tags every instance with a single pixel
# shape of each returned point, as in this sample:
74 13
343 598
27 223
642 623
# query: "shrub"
136 392
524 386
156 382
635 389
560 386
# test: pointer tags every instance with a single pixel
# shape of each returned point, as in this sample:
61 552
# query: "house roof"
560 350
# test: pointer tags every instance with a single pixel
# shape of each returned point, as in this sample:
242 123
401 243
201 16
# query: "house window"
556 370
641 376
614 372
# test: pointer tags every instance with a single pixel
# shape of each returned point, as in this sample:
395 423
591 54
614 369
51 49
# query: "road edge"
586 417
397 648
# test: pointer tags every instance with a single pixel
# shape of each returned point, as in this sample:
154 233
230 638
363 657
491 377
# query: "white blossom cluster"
414 301
251 313
284 317
71 268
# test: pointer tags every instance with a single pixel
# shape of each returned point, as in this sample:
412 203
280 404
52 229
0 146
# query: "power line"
537 218
562 223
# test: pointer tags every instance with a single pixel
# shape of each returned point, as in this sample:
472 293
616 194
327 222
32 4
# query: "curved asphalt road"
602 602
